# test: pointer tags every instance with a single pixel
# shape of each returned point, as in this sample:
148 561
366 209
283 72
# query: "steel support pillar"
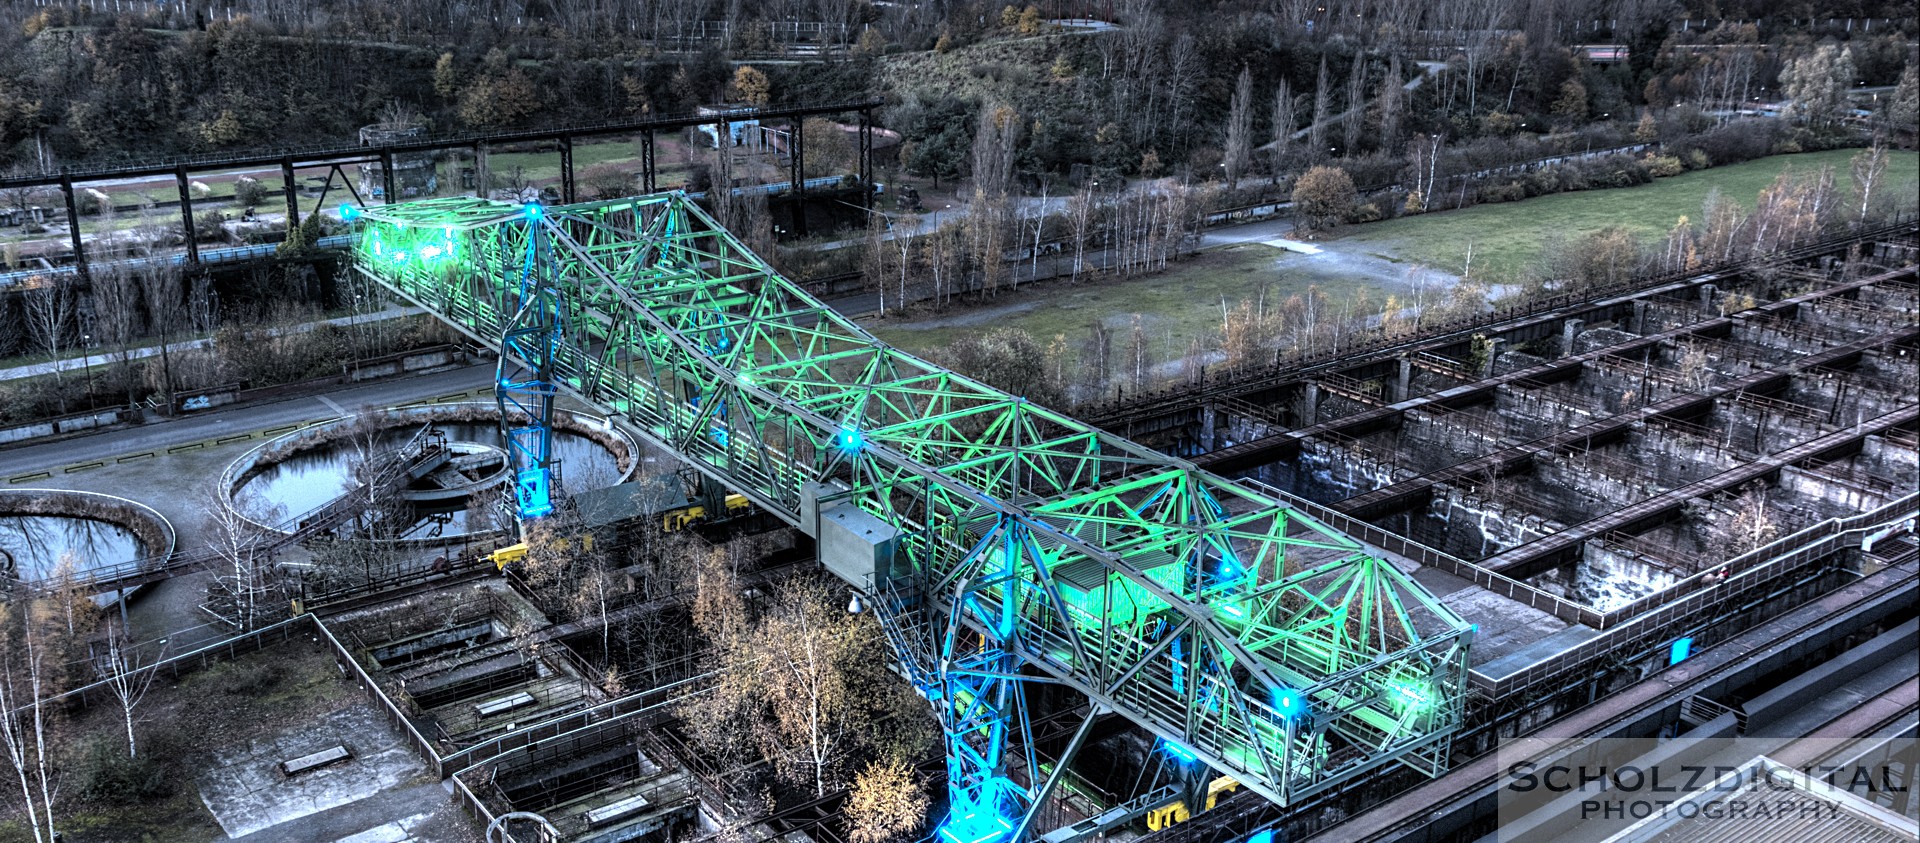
566 169
290 191
797 181
866 159
524 385
73 225
186 215
646 162
386 176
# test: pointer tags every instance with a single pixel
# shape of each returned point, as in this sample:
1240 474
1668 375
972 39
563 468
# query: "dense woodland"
1361 110
1152 96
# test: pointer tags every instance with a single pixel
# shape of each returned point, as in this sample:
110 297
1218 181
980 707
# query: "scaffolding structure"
1001 543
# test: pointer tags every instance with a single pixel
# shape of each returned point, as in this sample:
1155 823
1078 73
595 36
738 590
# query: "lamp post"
86 363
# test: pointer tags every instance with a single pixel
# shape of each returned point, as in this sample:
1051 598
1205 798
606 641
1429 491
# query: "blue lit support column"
524 385
981 696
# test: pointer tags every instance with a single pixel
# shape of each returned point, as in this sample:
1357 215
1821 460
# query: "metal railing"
1661 615
351 665
225 650
1398 545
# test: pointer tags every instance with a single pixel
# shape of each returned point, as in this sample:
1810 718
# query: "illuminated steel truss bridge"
1001 543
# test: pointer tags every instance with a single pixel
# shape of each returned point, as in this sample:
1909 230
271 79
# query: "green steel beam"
1302 661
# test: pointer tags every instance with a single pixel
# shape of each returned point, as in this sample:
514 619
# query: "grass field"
544 167
1182 303
1507 238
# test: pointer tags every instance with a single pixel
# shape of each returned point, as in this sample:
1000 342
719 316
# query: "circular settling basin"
303 471
41 528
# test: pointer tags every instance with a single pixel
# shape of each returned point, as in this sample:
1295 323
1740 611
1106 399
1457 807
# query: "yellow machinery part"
518 552
508 555
679 519
1177 812
1223 784
1166 816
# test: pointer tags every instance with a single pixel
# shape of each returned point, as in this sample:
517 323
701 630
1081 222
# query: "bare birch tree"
1355 121
124 672
160 290
116 318
1390 105
1868 166
239 542
1281 147
49 312
1240 130
23 715
1082 216
1322 103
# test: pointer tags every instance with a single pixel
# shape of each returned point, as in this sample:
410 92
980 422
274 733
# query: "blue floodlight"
1679 652
975 827
534 210
850 440
348 212
430 252
1289 703
1177 752
1264 835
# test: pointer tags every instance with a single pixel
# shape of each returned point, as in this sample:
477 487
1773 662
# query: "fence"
352 667
86 696
649 703
1639 622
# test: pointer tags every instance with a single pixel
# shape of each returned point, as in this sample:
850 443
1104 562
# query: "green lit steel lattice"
1275 649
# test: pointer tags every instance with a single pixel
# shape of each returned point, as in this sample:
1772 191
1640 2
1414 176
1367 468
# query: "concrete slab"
1502 625
247 793
1527 655
398 831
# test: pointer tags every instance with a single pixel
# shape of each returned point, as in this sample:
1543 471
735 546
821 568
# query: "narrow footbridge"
1001 543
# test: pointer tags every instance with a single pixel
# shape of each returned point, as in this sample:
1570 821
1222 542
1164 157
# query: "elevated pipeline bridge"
381 159
1001 543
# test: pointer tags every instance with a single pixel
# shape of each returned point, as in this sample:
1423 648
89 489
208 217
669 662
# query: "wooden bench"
617 810
504 704
314 761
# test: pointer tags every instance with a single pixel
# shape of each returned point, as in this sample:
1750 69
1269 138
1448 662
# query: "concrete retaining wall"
55 427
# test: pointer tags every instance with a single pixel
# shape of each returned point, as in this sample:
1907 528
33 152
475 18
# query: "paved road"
157 436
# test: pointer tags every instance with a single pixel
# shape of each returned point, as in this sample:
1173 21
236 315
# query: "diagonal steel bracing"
1028 547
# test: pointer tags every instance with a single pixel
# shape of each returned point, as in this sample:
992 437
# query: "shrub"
1662 166
1572 178
1369 212
1697 160
1503 192
1740 140
249 191
107 775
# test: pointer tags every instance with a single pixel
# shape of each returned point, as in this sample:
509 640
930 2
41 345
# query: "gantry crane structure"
1002 543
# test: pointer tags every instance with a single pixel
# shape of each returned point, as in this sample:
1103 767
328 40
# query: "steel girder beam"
1032 546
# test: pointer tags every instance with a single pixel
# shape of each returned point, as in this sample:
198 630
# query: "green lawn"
1177 305
544 167
1506 238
